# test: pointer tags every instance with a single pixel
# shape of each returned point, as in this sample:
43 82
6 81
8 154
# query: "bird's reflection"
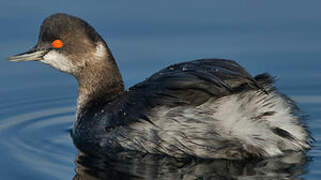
137 166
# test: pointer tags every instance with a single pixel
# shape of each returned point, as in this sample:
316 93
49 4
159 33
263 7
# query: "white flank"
219 127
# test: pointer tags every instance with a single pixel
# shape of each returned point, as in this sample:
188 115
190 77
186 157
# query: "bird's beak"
33 54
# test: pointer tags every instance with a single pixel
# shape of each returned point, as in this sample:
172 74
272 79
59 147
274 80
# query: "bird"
204 108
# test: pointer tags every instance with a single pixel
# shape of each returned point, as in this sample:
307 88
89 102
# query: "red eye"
57 43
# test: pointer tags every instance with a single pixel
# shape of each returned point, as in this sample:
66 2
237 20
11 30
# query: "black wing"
192 83
185 84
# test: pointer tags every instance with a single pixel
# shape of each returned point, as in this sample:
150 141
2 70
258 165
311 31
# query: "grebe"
206 108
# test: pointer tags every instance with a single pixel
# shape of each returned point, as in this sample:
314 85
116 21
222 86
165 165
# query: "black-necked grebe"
207 108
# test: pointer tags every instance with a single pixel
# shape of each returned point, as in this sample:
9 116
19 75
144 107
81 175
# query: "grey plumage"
174 112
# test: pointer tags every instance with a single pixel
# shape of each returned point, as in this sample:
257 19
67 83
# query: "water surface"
37 103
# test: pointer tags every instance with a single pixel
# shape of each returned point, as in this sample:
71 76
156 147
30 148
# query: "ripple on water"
37 136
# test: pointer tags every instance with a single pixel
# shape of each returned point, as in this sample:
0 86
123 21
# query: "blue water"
37 103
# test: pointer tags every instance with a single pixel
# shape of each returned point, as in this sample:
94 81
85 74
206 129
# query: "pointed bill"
31 55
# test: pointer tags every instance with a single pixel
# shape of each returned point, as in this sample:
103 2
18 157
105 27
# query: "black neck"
99 83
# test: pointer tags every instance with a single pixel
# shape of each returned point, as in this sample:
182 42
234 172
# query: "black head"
67 43
68 28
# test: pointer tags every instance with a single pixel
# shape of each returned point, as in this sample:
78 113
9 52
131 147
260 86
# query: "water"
37 103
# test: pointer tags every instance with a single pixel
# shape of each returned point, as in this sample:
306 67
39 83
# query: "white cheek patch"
100 50
59 61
